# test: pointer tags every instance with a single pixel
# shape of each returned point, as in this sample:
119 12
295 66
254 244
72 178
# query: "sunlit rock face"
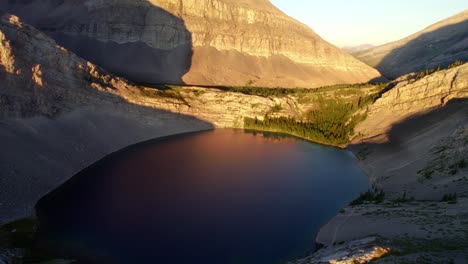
211 42
361 251
412 97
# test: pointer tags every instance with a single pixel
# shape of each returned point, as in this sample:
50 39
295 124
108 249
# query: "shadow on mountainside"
417 125
43 151
434 49
424 157
58 114
115 37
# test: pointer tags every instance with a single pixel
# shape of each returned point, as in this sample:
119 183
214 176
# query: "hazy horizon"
353 22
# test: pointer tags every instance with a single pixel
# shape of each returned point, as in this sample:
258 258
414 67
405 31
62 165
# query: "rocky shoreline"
419 162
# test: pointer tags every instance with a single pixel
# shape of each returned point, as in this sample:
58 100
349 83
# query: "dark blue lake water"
222 196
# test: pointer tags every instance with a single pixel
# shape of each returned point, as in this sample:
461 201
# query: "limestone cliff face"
437 45
410 98
196 42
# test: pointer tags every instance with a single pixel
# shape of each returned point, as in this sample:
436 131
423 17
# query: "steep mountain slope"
413 146
196 42
58 114
412 97
437 45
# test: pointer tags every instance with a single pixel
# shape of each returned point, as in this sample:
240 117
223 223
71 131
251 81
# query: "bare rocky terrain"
172 41
414 148
435 46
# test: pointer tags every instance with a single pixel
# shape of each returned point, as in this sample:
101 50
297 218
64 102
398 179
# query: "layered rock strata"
209 42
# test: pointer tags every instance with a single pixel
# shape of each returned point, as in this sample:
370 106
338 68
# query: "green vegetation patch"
346 89
428 72
369 197
450 198
276 108
259 91
167 91
403 199
18 234
363 153
449 157
406 246
442 165
331 123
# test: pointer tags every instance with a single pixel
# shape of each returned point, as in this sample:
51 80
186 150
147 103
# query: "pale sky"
356 22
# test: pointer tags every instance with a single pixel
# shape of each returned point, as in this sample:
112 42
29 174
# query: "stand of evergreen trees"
332 123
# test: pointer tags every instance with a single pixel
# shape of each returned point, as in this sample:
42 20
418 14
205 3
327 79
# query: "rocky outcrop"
436 46
412 97
359 251
196 42
400 140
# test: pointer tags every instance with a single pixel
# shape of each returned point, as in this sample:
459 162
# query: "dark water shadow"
261 205
438 48
89 32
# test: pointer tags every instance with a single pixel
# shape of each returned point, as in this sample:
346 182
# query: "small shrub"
427 72
404 199
427 174
455 64
250 83
369 196
363 153
18 234
276 108
462 164
450 198
197 93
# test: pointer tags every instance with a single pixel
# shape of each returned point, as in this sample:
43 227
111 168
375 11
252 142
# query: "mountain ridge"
207 42
358 48
437 45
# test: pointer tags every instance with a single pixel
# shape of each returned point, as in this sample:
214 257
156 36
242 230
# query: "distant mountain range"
205 42
353 49
437 45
